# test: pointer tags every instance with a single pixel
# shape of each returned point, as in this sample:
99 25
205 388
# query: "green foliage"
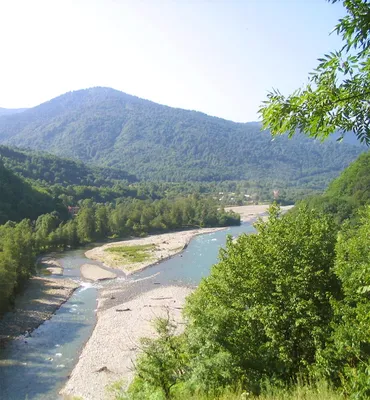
319 391
48 169
162 364
315 391
20 200
265 322
283 315
154 142
264 310
138 253
19 243
17 258
347 193
338 92
348 358
354 181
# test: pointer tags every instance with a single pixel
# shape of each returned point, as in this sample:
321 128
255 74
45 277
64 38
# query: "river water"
38 366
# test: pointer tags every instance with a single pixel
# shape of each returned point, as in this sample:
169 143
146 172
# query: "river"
38 366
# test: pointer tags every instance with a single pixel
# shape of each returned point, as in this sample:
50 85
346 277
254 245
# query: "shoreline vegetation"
44 295
133 255
123 318
21 242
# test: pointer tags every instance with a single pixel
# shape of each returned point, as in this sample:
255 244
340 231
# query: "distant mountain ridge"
9 111
156 142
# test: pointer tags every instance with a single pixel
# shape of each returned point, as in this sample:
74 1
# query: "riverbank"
248 213
51 264
124 315
36 304
110 353
161 247
157 248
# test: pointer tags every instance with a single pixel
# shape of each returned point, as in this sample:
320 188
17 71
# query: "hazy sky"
215 56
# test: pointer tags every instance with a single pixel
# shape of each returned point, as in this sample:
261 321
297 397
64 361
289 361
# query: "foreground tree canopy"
338 92
283 306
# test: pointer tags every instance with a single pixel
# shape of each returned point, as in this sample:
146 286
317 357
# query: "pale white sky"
215 56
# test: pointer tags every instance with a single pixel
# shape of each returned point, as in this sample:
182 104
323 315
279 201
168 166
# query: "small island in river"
134 255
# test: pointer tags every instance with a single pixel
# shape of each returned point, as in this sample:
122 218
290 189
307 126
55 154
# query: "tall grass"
138 253
319 391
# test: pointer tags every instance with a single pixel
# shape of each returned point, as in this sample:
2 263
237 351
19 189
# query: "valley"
132 226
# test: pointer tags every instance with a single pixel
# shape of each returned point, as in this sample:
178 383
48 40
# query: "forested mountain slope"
353 182
20 200
347 193
50 169
157 142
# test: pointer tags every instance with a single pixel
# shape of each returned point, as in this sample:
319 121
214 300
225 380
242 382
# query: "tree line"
20 243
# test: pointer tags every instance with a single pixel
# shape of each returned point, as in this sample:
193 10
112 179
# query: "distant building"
73 210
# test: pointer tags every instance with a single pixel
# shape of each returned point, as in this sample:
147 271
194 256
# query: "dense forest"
155 142
347 193
68 181
20 200
48 169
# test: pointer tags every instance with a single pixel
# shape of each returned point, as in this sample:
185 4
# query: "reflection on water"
36 367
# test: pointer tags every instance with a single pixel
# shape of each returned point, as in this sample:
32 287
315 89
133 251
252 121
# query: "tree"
45 225
102 221
337 95
86 224
162 363
264 311
348 358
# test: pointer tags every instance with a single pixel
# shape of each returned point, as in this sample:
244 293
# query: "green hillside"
353 182
20 200
155 142
347 193
47 168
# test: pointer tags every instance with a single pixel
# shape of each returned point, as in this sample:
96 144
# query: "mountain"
9 111
50 169
20 200
156 142
348 138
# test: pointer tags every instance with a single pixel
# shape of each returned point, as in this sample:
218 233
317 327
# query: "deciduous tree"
337 95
